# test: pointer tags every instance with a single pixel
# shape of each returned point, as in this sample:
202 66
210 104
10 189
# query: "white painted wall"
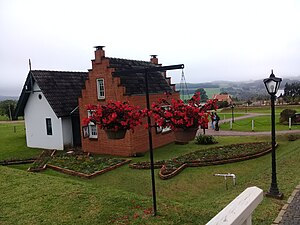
35 113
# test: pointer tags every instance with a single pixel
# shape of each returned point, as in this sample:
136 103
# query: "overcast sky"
233 40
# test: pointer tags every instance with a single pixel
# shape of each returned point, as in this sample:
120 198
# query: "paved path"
290 212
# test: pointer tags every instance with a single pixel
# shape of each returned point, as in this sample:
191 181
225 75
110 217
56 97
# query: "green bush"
293 137
285 115
205 140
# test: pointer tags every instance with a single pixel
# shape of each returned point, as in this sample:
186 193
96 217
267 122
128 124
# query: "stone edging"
219 162
83 175
284 208
16 161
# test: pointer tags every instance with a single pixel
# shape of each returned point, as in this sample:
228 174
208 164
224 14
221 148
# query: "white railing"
239 211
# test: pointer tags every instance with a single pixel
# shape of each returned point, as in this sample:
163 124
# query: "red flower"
181 115
115 115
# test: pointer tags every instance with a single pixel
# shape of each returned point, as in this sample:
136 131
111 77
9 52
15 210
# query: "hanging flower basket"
183 136
112 134
183 118
115 118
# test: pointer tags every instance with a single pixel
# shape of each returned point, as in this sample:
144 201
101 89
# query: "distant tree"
7 108
224 93
292 92
203 95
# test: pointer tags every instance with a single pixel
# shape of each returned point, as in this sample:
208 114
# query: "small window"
92 128
48 126
163 129
100 89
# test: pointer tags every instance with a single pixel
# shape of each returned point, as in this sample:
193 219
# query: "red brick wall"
134 142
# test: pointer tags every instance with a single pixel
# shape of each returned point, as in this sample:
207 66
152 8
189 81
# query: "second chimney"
154 59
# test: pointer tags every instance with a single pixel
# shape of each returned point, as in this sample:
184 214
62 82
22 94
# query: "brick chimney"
99 53
154 59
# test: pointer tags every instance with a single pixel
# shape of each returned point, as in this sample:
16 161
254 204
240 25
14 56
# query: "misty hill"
2 98
242 90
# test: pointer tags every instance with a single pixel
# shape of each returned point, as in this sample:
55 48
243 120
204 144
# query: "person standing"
217 119
212 118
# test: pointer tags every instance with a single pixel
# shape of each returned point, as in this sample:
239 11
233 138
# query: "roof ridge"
59 71
135 60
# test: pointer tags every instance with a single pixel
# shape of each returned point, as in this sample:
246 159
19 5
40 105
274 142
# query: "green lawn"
123 196
261 123
13 142
262 109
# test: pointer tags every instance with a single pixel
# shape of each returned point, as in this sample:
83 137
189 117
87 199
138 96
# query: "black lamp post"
272 85
232 116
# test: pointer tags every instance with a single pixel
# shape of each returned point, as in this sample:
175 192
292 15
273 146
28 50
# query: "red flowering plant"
180 115
115 116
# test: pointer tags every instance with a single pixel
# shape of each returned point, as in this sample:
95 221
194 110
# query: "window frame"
92 127
161 130
100 88
49 130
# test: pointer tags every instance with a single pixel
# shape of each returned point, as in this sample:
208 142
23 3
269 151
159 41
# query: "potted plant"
183 119
115 118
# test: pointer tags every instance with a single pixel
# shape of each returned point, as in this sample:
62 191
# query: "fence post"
230 124
240 210
252 125
290 123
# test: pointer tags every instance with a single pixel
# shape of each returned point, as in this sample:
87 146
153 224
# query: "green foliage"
223 104
293 137
292 92
7 108
205 140
203 95
286 114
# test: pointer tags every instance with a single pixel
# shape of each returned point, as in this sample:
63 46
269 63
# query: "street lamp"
232 116
272 85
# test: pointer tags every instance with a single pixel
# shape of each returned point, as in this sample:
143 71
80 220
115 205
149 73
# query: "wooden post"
239 211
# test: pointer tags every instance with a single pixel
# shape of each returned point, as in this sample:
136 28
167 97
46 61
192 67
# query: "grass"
13 142
123 196
262 109
261 123
3 118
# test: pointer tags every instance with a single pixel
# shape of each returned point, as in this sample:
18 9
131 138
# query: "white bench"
239 211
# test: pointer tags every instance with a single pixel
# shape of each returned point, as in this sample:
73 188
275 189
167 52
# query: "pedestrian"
212 118
217 118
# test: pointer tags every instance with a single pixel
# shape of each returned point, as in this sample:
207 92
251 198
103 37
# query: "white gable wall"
35 113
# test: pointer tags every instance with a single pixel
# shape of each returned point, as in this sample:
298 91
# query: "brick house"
102 85
53 104
223 98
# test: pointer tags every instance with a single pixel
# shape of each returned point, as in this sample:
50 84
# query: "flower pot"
183 136
112 134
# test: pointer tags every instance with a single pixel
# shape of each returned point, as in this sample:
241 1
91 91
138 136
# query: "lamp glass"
272 86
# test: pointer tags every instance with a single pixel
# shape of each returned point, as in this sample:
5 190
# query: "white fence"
239 211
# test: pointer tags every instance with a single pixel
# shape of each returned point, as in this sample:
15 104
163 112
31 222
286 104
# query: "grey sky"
216 39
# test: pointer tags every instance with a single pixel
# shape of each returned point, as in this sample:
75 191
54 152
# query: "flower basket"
112 134
183 136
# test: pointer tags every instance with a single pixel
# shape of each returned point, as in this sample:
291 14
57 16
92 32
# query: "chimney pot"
99 53
154 59
99 47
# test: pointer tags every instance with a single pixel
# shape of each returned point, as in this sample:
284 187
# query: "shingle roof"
61 89
134 83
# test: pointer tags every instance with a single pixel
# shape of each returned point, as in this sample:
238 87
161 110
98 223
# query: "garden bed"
212 156
83 165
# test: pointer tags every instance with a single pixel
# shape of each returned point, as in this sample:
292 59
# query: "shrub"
285 115
205 140
293 137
